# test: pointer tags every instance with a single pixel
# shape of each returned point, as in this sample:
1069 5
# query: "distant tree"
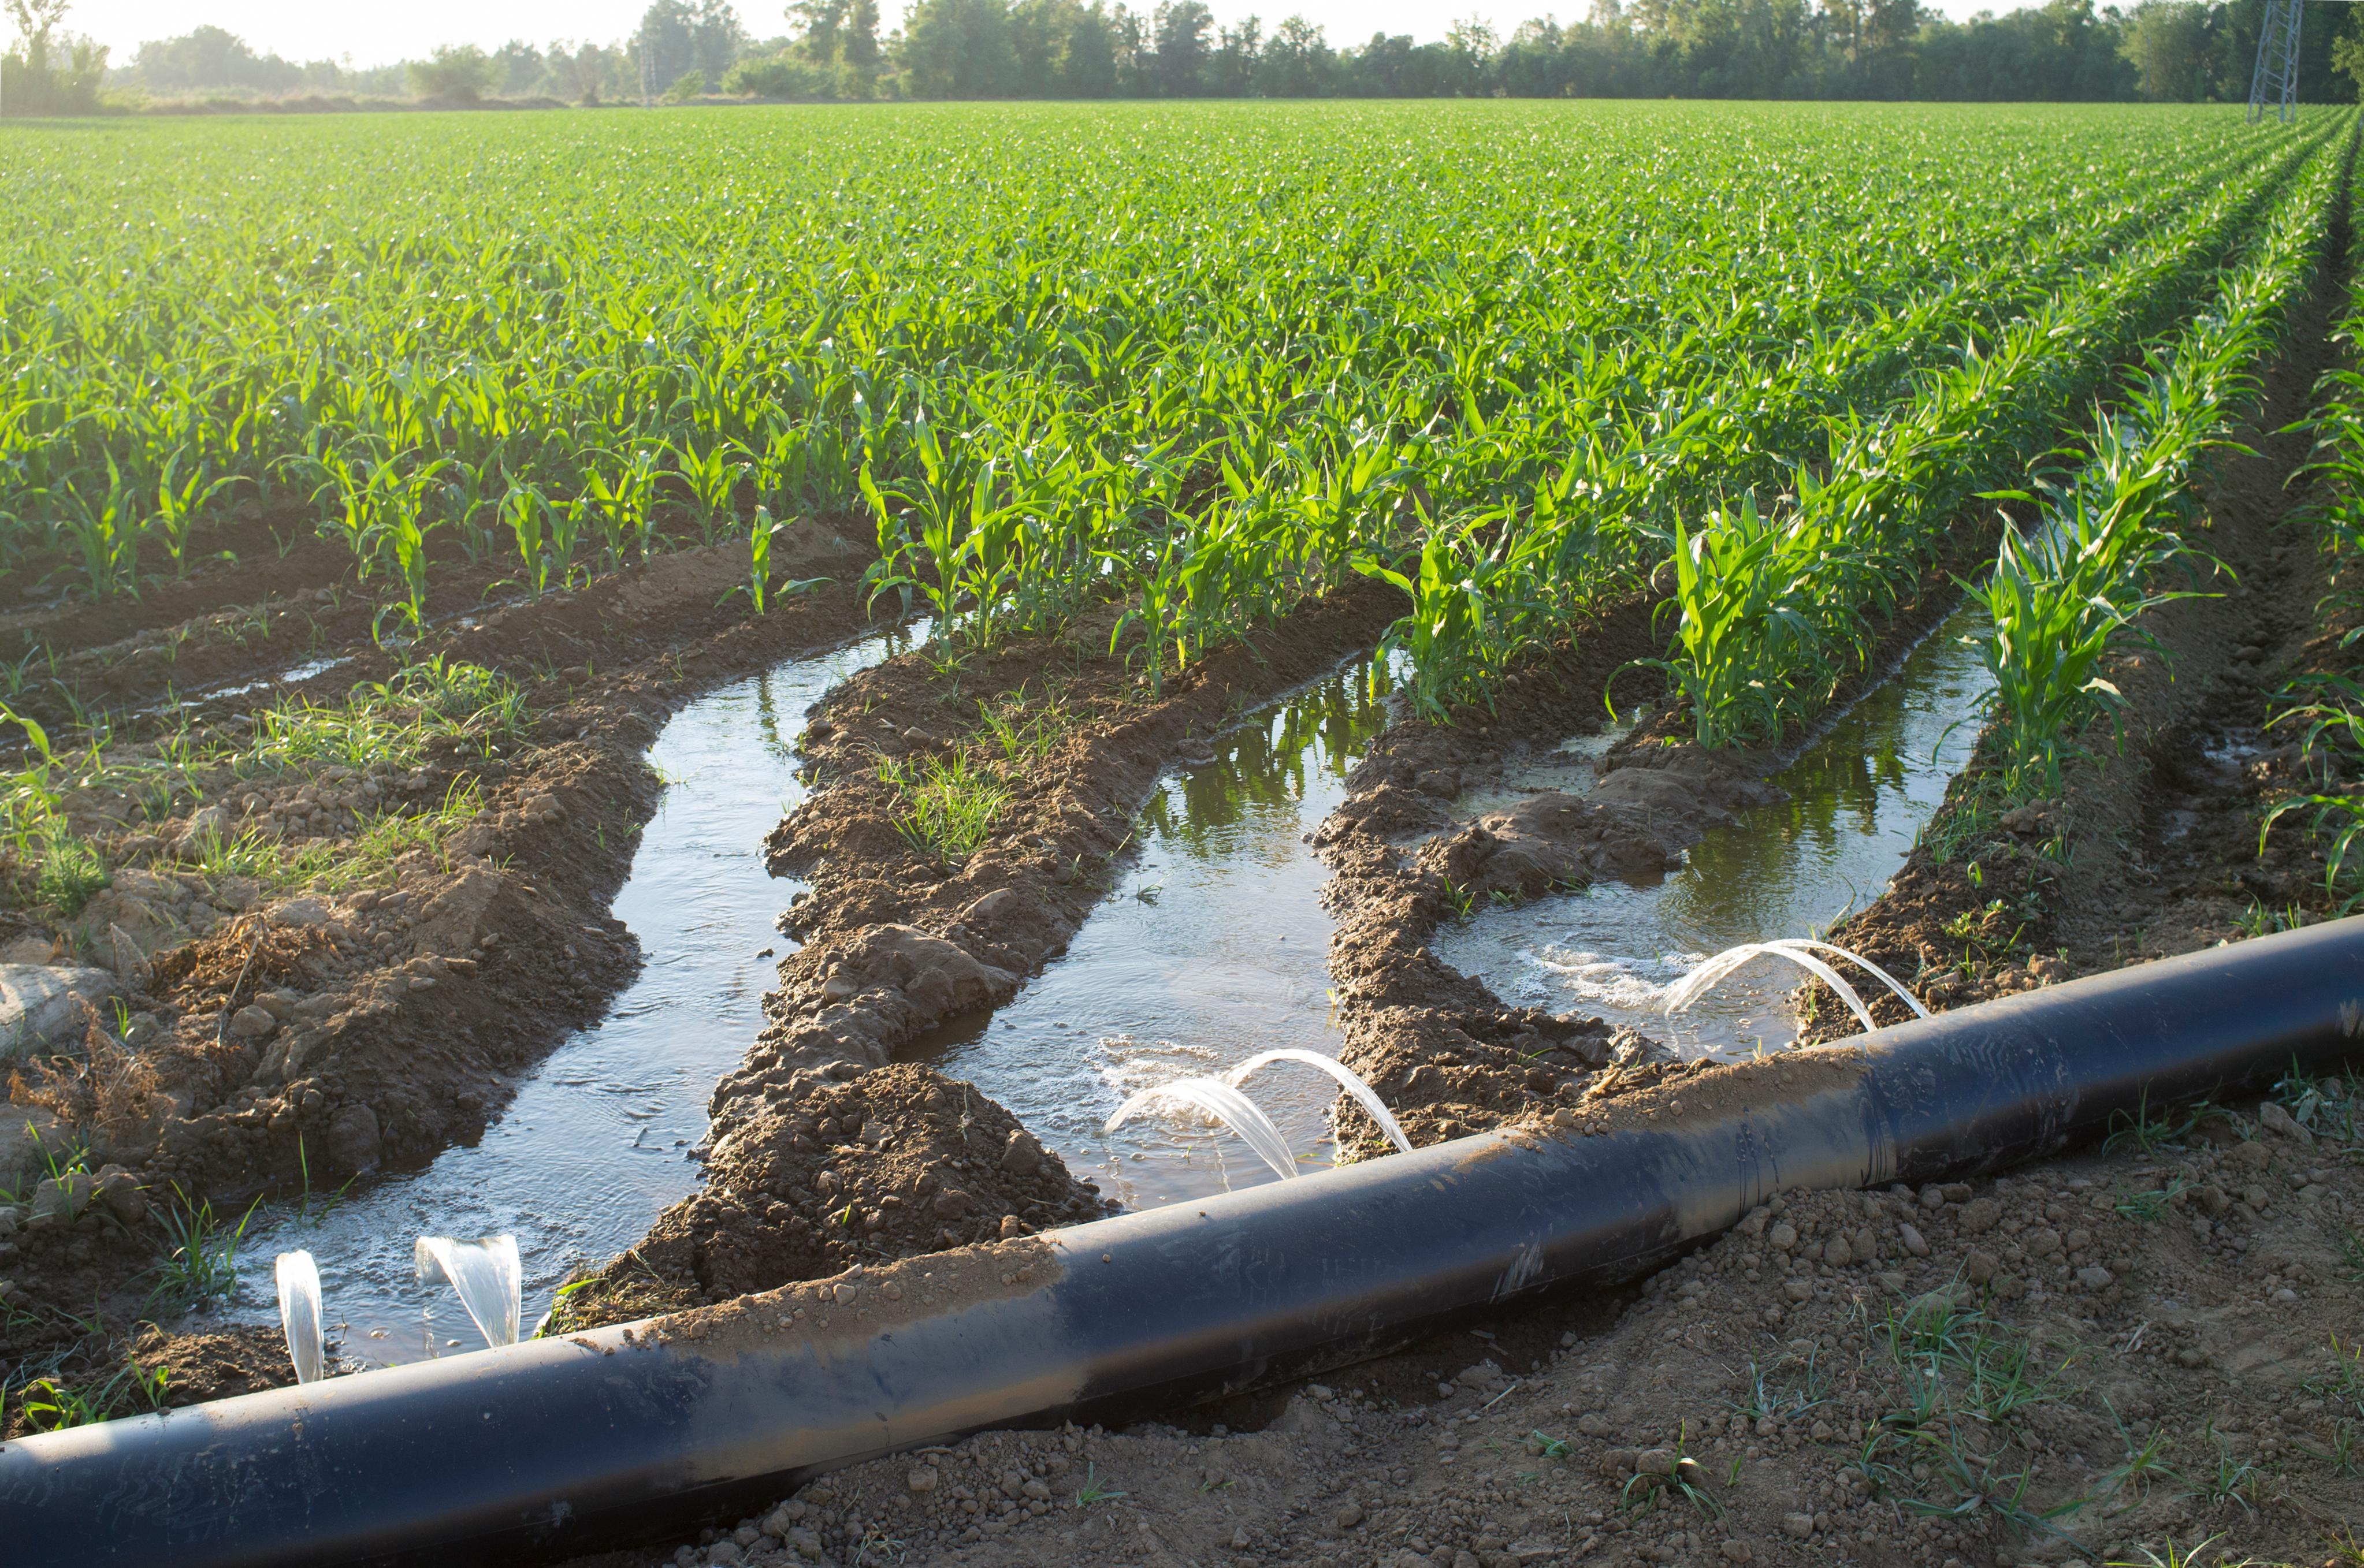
1088 67
49 74
461 72
37 21
2347 51
1470 45
1231 71
677 36
824 23
520 69
2169 42
1297 63
210 58
788 74
1180 29
859 48
578 72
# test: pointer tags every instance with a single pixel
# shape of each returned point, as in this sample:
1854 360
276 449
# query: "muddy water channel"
1859 795
1212 945
595 1142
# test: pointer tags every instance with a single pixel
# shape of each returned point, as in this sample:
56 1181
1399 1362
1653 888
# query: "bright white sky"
375 34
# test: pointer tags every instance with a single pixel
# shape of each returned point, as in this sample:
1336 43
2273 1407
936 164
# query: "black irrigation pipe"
637 1433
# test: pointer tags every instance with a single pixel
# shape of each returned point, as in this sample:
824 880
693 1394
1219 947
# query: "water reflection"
1212 947
594 1143
1857 797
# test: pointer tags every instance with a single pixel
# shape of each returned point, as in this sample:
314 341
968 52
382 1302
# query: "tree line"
2063 49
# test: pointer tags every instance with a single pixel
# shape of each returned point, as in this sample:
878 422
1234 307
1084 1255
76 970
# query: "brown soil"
1444 1053
292 1034
892 1163
898 937
2134 1349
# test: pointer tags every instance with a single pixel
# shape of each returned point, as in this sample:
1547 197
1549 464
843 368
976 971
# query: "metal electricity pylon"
2275 84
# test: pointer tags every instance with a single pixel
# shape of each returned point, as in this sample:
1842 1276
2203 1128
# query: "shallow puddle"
597 1142
1212 947
1859 796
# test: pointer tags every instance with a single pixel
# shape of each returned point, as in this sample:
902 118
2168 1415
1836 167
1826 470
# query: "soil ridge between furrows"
1447 1054
898 936
2150 849
292 1033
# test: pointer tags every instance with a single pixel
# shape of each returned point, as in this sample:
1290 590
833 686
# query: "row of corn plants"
2105 548
1774 606
1202 365
2322 710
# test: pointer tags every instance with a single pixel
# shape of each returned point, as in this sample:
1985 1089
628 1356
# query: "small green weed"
2148 1133
950 805
1684 1480
201 1265
71 874
2152 1204
1092 1491
51 1406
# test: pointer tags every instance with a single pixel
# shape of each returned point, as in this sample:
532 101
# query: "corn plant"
2062 600
1498 350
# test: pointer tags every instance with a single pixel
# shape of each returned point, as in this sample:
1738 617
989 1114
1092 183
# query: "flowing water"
1210 950
595 1142
1212 947
1859 796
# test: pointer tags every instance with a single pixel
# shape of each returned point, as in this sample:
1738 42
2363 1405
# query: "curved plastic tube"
1226 1105
1799 951
299 1313
1348 1080
484 1273
642 1432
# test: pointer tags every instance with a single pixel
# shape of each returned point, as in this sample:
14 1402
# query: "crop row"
2104 549
1775 608
1208 361
2321 709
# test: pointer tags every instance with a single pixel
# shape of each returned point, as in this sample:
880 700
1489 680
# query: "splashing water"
486 1273
1859 796
1630 984
1364 1095
1799 951
1226 1105
299 1314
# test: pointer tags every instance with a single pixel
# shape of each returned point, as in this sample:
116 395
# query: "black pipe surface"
642 1432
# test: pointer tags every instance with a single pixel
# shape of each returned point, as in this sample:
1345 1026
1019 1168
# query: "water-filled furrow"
595 1142
1211 946
1859 796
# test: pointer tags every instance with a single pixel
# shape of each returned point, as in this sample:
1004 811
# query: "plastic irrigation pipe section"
634 1433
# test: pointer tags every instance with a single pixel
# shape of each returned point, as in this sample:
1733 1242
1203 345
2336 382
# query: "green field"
1207 359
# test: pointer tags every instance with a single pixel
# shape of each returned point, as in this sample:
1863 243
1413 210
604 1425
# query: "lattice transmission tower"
2274 86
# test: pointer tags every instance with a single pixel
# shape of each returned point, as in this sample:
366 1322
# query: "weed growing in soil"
51 1406
2151 1133
950 804
2152 1204
2176 1557
1766 1401
393 721
1092 1491
2228 1479
72 871
374 848
201 1265
1022 737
